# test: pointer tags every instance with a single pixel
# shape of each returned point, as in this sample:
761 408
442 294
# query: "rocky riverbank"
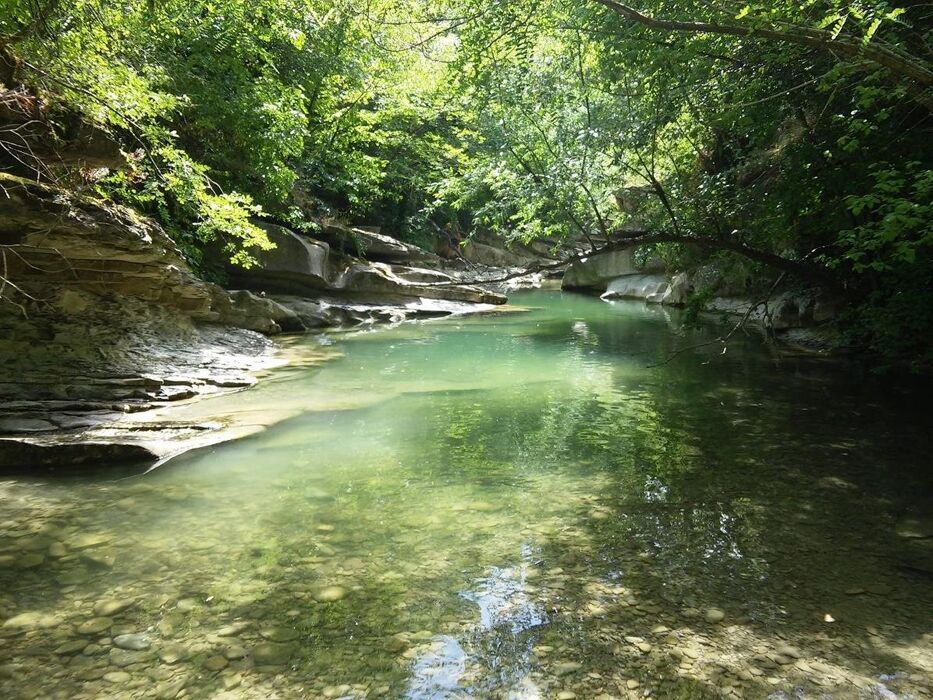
799 319
103 324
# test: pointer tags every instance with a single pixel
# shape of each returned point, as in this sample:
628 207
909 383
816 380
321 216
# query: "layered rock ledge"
102 322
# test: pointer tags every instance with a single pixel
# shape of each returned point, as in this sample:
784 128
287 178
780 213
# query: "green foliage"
696 305
529 119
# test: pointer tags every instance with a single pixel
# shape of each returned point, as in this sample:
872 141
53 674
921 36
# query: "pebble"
234 629
30 561
234 652
103 560
29 620
330 594
169 690
173 653
106 608
714 615
72 647
95 625
788 650
631 684
215 663
279 634
127 657
269 654
87 540
566 695
136 642
117 677
186 605
567 667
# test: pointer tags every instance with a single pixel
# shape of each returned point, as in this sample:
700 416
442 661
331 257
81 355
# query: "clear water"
515 506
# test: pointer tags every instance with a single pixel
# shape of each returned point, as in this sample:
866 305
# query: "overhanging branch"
801 269
893 60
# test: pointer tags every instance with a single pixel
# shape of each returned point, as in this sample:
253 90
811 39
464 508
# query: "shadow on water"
525 510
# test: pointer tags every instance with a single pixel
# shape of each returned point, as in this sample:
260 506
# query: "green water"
515 506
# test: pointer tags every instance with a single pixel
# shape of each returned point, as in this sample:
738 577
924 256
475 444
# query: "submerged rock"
107 608
330 594
279 634
95 625
215 663
135 642
272 654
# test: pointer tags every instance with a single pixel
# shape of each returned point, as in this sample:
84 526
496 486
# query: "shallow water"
515 506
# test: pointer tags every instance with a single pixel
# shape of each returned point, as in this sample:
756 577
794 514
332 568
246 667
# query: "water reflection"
494 653
519 508
438 671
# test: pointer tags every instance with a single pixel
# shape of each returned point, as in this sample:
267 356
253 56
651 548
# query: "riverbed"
549 504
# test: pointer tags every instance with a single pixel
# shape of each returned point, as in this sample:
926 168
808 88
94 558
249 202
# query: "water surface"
530 505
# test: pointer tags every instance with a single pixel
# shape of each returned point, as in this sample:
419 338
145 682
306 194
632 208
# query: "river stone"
567 667
234 628
86 540
270 654
279 634
103 560
30 620
173 653
186 605
69 648
117 677
566 695
75 577
330 594
127 657
57 550
169 690
30 561
95 625
215 663
234 652
134 642
106 608
714 615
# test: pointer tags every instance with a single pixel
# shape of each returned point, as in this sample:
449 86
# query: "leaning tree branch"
802 269
892 59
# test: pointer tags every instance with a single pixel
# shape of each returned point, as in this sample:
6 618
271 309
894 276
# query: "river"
531 505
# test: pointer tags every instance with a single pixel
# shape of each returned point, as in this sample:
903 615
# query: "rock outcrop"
38 139
597 271
798 318
101 318
305 267
371 245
